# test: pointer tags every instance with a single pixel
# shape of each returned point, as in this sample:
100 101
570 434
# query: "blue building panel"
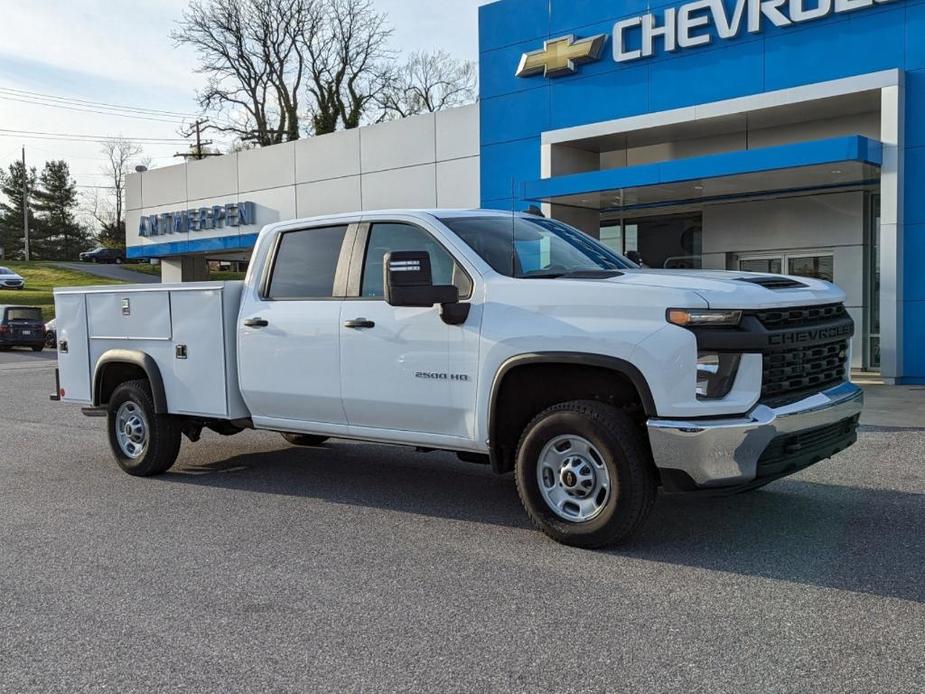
834 150
884 35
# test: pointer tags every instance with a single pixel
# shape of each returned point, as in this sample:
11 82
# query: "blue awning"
832 163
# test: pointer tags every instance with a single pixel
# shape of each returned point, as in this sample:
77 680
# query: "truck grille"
804 368
781 319
790 371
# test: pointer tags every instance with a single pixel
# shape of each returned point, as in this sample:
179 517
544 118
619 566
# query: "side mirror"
409 282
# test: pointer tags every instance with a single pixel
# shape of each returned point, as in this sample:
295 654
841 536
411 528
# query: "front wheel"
38 348
143 442
584 475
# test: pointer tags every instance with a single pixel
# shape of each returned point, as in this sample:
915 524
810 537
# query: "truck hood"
723 289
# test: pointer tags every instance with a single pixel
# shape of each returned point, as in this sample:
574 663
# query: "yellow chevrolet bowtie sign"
562 56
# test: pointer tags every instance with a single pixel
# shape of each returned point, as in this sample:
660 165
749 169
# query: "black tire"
305 439
38 348
163 438
624 452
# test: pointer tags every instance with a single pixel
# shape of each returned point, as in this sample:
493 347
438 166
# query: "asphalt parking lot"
256 566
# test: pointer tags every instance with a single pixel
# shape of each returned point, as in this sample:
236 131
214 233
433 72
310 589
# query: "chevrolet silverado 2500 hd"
511 340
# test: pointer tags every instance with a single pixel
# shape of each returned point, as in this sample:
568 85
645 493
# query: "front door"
404 369
289 359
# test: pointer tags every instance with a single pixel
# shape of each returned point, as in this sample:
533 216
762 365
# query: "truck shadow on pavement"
849 538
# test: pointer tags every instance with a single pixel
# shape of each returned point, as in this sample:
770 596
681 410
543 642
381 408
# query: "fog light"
716 374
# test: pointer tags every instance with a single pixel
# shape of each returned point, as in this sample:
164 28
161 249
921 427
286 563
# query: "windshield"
23 314
6 271
534 247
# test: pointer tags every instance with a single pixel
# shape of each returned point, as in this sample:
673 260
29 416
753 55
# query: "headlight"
690 318
716 374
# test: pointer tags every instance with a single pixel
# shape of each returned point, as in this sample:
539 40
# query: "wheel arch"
499 445
117 366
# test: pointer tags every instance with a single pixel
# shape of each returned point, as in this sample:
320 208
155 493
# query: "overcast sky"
120 52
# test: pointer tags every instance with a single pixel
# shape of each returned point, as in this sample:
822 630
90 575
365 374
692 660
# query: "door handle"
256 323
359 324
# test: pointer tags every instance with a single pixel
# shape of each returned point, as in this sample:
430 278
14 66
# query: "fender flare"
140 359
621 366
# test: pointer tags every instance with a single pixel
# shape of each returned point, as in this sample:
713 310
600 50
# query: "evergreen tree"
59 235
11 209
112 234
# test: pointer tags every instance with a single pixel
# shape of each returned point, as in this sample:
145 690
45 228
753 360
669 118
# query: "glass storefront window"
773 266
820 267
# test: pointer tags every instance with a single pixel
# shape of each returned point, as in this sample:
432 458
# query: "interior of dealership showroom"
792 144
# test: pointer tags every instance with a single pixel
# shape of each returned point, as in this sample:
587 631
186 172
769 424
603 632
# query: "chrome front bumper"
725 452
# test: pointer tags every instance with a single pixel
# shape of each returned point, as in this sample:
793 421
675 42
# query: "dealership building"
757 135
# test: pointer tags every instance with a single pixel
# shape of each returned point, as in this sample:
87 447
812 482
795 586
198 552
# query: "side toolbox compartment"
73 348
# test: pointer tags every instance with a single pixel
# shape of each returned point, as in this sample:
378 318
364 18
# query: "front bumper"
733 454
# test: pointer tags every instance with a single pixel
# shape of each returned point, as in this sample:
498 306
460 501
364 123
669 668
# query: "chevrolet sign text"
695 23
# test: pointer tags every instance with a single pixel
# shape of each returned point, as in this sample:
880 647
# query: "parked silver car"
10 279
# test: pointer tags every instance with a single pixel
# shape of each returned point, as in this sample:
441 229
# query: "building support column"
892 112
187 268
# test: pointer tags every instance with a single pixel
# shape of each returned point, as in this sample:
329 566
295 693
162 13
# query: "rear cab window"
306 263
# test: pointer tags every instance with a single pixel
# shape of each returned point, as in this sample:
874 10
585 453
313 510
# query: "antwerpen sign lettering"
687 26
242 214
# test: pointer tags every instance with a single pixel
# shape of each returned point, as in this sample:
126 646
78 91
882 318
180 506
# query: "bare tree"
428 82
348 56
121 157
253 53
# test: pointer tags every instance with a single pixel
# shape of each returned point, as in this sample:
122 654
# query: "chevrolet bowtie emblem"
562 56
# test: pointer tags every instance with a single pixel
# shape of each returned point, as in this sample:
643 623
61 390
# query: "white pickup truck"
511 340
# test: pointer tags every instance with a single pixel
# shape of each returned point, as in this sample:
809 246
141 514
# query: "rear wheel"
584 475
143 442
305 439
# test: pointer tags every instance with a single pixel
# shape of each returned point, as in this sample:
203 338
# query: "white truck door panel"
410 371
289 331
398 374
290 369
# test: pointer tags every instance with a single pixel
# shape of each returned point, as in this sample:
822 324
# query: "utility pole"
197 153
25 202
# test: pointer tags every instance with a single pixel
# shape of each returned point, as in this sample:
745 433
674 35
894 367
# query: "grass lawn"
41 280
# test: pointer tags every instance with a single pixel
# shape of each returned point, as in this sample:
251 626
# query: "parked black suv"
21 326
103 255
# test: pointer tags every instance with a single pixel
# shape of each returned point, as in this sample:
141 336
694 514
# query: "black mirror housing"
409 281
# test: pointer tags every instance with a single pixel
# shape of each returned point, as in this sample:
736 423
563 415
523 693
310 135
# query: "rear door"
408 370
289 330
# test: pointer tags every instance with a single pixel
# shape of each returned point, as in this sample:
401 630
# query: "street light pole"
25 203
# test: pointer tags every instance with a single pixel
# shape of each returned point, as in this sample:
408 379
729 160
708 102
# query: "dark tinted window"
306 263
24 314
385 238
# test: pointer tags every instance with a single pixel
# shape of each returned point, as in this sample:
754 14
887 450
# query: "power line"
68 99
75 137
81 109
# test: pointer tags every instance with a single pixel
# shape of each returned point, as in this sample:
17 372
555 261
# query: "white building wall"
425 161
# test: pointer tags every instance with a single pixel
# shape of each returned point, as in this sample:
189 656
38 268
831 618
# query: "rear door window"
306 264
